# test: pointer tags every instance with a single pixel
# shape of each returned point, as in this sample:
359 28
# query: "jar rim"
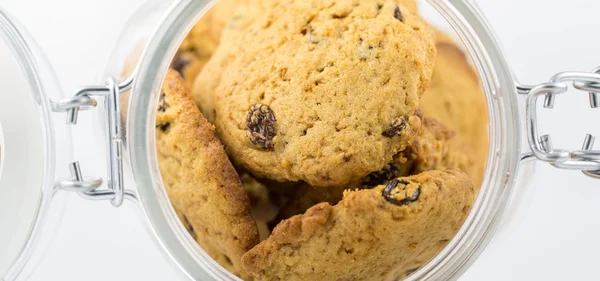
483 219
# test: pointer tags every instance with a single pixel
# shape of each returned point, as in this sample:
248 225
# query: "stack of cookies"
321 139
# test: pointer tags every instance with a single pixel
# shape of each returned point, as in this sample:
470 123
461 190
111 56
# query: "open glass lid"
32 141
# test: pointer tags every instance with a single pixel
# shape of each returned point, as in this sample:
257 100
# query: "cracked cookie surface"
367 236
239 13
202 184
325 96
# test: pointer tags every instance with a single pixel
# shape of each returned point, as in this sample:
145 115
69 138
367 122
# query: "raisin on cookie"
326 96
455 98
372 234
201 182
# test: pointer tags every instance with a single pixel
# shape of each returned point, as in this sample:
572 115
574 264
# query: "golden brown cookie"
372 234
325 96
203 39
201 182
455 98
240 19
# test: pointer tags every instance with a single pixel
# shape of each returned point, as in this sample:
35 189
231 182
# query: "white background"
558 236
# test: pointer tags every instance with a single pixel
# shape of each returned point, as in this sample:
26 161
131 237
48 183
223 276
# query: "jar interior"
499 132
196 53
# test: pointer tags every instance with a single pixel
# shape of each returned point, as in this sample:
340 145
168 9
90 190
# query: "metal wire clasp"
586 159
82 99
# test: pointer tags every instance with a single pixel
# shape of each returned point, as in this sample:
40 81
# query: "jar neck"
505 136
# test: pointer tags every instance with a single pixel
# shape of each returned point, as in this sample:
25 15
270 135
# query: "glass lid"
29 148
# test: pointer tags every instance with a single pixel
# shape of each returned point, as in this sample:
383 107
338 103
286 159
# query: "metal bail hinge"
586 160
88 188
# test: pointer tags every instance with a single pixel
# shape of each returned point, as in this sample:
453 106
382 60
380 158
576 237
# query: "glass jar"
149 42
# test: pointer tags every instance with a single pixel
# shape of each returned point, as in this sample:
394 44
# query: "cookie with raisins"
240 13
437 147
371 234
201 182
325 96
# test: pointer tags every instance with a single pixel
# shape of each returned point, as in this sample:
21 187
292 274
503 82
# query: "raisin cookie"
372 234
455 97
201 182
202 41
326 96
436 148
203 89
